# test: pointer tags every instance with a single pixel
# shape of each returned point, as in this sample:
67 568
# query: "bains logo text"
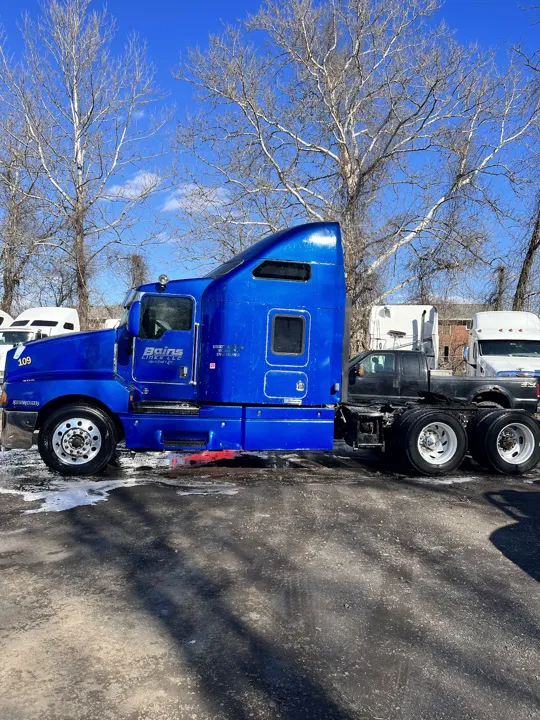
162 355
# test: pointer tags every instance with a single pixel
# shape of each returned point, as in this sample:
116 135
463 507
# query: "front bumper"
18 429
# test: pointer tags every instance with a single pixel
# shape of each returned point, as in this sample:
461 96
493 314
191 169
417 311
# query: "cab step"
165 407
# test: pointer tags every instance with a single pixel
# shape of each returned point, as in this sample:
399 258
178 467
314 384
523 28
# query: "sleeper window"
281 270
288 335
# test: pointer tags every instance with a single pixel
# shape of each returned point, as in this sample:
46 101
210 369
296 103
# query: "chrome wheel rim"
76 441
515 443
437 443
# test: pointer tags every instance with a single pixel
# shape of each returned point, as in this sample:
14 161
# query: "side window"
376 364
69 326
410 363
160 313
281 270
288 335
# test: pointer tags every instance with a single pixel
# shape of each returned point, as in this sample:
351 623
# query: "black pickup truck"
401 376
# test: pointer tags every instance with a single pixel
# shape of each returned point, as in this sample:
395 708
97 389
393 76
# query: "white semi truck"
405 327
504 344
33 324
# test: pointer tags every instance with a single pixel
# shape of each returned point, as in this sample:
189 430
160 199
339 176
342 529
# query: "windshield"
355 360
511 348
15 337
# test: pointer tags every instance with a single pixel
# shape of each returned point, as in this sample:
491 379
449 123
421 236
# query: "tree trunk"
526 267
360 283
10 251
81 270
9 281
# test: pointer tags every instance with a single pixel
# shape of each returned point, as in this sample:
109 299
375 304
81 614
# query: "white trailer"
504 344
33 324
406 327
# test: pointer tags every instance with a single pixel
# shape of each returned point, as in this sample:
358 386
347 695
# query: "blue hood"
88 354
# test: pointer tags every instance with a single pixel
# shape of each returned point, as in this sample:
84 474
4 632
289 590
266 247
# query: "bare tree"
354 110
527 261
24 229
87 115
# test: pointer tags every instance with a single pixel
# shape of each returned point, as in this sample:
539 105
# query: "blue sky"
171 26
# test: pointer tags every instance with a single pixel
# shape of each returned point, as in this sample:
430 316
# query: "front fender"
113 393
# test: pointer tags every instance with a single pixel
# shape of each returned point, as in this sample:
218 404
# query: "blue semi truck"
252 357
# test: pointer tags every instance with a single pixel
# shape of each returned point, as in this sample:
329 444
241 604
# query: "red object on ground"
207 456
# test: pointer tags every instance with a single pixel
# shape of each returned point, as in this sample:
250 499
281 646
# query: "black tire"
392 434
502 450
54 437
409 434
476 431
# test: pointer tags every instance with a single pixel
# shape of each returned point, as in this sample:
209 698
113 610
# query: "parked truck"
504 344
252 357
33 324
405 327
402 376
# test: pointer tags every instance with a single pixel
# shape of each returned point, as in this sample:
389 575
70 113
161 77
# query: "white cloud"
196 199
139 185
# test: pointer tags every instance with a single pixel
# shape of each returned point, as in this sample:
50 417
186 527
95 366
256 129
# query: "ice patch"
22 473
66 494
447 480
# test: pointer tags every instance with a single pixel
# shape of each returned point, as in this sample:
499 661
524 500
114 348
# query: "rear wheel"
509 441
77 439
432 443
476 432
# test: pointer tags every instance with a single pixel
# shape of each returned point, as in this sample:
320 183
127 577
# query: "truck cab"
249 357
504 344
395 376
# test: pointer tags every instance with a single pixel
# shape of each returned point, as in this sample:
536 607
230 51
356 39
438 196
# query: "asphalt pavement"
262 587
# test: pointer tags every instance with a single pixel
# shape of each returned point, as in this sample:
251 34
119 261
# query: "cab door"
374 377
164 353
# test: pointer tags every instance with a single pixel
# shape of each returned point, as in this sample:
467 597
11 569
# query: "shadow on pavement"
241 673
520 541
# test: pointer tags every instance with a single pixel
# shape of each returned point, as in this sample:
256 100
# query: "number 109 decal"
25 360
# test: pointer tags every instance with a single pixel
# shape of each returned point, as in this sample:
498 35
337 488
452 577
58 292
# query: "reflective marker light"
163 280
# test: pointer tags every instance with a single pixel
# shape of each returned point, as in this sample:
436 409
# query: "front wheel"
77 439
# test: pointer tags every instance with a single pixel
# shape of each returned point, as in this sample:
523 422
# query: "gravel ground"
268 587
